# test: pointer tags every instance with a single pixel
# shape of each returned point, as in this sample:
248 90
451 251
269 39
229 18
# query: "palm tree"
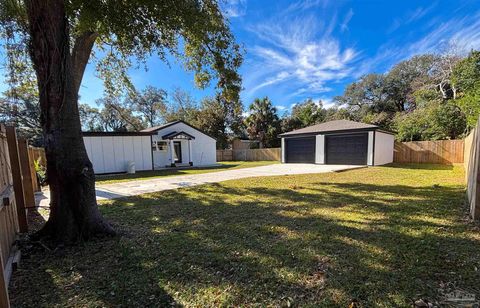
263 123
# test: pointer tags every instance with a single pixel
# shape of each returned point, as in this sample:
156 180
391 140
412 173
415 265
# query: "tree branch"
80 54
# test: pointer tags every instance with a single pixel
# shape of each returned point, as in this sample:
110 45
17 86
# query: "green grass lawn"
144 175
382 236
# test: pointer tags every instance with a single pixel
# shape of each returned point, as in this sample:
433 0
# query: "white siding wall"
283 150
128 151
110 154
370 149
320 149
383 148
203 147
119 153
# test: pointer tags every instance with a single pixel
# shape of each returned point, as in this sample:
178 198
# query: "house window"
162 146
154 146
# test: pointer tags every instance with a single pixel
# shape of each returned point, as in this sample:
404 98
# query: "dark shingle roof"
332 126
105 134
155 128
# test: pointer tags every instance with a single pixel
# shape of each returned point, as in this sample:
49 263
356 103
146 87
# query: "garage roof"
332 126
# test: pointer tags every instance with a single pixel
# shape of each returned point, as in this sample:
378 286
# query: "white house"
179 143
338 142
170 145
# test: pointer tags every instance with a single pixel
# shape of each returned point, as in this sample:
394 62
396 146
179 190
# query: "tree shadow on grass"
100 273
323 244
420 166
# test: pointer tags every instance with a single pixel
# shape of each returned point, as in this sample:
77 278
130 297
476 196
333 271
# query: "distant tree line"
426 97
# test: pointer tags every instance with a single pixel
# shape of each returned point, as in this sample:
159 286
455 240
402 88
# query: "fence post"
4 301
17 178
475 191
26 173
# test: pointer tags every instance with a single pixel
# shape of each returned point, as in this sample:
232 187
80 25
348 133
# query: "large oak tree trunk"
74 213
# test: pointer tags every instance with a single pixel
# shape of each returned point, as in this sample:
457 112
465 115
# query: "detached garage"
339 142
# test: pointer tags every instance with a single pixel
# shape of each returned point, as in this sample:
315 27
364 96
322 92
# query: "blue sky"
314 48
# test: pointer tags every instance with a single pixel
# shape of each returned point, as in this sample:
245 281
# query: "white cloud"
346 20
300 53
305 5
419 13
234 8
397 23
297 55
281 108
245 114
270 81
461 32
410 17
327 102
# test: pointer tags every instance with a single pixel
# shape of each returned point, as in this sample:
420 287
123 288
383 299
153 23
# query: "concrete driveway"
138 187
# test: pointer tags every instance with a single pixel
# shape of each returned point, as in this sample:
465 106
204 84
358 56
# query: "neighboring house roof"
332 126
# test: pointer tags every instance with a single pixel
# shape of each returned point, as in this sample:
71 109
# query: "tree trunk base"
71 234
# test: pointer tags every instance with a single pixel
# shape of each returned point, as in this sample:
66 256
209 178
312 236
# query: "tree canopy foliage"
195 32
61 36
220 119
304 114
466 77
150 104
427 97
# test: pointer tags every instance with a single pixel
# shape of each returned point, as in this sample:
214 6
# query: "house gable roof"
159 127
155 129
332 126
182 134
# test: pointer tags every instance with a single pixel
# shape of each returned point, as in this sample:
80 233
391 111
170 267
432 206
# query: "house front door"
177 145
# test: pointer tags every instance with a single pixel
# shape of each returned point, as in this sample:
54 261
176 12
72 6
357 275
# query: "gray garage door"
346 149
300 150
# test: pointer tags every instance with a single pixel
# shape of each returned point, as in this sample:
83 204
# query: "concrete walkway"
138 187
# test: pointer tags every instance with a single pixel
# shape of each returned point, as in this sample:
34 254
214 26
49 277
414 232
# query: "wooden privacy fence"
16 197
472 171
224 155
433 152
8 218
273 154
